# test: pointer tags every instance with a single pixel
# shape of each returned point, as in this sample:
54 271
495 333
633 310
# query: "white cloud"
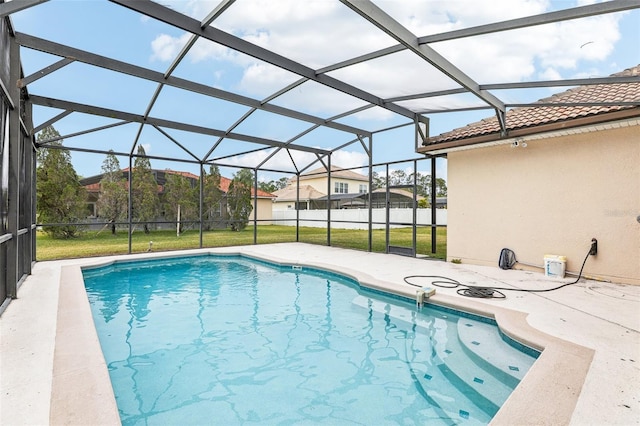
282 161
349 159
205 50
319 33
576 41
375 113
165 47
261 79
522 54
549 74
429 17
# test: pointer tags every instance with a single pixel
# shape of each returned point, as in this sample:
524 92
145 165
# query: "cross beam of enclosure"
192 26
135 118
53 48
386 23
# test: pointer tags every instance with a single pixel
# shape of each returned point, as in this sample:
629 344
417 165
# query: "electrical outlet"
594 247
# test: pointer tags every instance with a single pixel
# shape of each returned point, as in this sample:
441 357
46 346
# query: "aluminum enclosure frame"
18 241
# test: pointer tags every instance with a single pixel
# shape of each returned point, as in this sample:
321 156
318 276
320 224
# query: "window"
341 188
362 189
91 210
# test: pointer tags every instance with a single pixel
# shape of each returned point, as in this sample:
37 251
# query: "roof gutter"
624 118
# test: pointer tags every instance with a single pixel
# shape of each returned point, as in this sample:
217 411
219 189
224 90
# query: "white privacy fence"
359 218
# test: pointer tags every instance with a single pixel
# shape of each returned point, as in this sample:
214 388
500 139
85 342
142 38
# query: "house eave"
624 118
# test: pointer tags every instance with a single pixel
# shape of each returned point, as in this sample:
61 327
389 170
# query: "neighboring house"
263 206
562 176
286 198
92 185
264 199
345 184
342 181
312 197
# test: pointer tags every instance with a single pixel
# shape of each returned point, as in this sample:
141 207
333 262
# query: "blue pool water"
228 340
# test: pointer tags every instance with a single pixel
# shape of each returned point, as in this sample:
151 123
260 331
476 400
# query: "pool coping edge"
81 391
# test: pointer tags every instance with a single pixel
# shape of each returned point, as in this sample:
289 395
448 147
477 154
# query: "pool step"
469 375
451 361
480 340
452 407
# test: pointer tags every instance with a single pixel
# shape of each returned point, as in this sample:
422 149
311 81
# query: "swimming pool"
219 339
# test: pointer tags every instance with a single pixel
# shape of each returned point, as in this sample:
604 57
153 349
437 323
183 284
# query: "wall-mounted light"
519 142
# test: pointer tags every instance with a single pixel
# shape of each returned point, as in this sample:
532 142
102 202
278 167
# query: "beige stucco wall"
550 197
318 183
264 210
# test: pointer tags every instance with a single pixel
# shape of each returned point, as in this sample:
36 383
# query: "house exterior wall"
263 210
320 184
551 197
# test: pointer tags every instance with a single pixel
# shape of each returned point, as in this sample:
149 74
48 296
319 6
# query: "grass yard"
93 243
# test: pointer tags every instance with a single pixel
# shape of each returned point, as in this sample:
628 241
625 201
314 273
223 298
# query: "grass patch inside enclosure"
92 243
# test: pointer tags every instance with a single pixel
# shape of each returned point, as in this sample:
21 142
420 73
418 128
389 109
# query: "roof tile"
519 118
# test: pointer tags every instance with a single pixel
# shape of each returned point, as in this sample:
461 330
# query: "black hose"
484 292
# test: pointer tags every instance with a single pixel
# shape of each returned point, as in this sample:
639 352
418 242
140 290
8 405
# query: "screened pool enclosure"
274 88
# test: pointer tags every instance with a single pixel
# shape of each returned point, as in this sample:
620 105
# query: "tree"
396 178
378 181
441 187
239 199
400 177
113 201
273 185
423 183
144 190
60 197
282 183
212 197
179 194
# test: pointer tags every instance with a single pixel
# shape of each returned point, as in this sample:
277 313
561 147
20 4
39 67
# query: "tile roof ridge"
629 72
543 112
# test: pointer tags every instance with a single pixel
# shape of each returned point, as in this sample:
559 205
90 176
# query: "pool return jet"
422 294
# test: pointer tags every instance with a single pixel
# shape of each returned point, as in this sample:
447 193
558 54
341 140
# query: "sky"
315 33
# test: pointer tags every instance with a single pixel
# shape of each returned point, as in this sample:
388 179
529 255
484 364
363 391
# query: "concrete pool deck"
589 373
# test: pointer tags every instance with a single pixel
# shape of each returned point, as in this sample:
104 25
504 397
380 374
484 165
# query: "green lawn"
93 243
